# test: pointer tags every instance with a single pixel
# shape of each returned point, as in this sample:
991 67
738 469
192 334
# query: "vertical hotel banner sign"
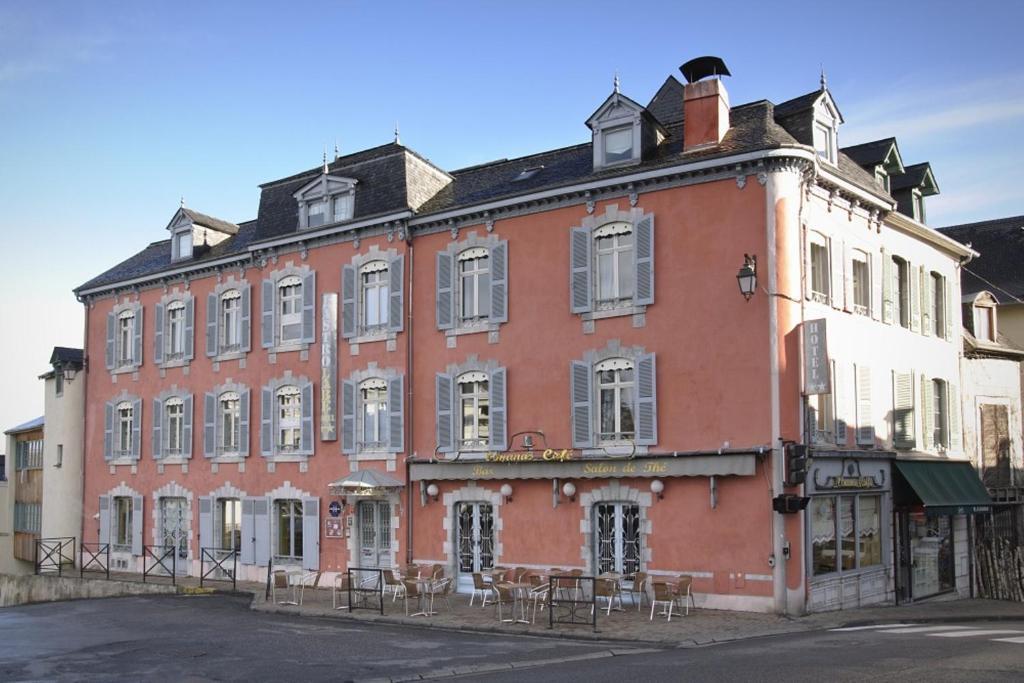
816 374
329 369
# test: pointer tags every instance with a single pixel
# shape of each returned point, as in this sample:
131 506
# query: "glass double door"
374 519
174 525
618 538
475 536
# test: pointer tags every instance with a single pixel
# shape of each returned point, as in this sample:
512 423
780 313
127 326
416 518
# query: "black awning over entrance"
941 486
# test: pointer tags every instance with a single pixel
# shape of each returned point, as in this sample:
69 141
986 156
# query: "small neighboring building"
25 494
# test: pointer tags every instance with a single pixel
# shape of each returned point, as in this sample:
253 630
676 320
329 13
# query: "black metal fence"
572 600
52 554
223 566
159 561
365 589
94 557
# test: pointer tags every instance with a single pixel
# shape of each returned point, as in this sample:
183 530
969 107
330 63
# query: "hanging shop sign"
816 375
329 368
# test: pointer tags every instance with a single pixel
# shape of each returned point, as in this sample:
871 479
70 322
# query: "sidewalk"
701 627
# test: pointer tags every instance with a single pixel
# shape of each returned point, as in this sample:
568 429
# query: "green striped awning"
944 487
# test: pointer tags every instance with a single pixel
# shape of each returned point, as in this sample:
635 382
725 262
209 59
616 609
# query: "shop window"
846 533
288 540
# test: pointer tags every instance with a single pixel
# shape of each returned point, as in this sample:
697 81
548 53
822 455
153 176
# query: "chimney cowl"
703 67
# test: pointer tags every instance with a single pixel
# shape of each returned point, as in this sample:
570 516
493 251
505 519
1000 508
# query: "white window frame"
822 428
374 410
987 313
294 517
619 252
374 284
229 416
825 141
616 385
342 206
230 319
183 245
121 524
174 423
474 436
474 266
125 341
289 295
860 257
608 133
820 280
125 424
288 404
318 208
174 342
940 413
901 291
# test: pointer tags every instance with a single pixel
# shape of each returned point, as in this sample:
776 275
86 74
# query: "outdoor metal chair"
664 595
392 584
312 586
539 595
410 571
281 584
684 592
609 590
520 574
443 590
638 591
504 595
437 572
341 584
481 588
412 592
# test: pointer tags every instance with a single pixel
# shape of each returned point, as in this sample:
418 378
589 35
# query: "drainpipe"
85 422
408 400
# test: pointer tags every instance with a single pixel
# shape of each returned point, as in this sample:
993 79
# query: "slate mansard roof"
1001 245
388 179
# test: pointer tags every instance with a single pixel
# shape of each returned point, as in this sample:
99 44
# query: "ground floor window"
846 533
618 538
288 515
229 523
121 533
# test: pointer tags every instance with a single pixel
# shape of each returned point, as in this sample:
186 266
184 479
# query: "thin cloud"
31 46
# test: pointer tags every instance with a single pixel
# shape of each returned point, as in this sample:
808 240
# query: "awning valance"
941 486
683 466
365 481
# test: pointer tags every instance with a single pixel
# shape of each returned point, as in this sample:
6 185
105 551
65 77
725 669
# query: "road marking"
1009 640
966 633
925 629
865 628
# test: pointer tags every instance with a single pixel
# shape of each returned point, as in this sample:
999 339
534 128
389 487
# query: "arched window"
475 410
125 333
373 399
613 246
474 284
229 414
175 342
616 399
125 424
230 321
375 292
289 418
289 293
174 410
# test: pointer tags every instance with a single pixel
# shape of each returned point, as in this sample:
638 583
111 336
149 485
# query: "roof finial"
398 140
183 201
337 152
615 81
824 81
325 160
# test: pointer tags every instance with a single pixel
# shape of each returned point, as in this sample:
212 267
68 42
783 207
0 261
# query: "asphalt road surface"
202 638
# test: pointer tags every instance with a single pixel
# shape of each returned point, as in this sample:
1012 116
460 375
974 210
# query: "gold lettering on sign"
481 471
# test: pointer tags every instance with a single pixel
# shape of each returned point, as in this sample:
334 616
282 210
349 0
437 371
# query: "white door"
374 519
618 538
474 529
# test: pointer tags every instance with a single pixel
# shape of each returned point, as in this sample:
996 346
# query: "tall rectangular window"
121 533
901 290
376 293
820 419
984 324
869 530
343 205
618 144
230 320
940 408
614 266
290 302
176 329
861 271
823 535
175 425
125 333
289 419
475 284
374 396
230 422
820 276
938 301
124 428
229 517
615 387
289 530
315 213
474 400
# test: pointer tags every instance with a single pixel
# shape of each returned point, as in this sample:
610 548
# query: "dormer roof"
916 176
884 153
184 215
618 106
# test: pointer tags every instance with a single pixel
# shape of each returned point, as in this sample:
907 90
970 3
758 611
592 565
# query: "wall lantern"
432 491
569 490
69 372
506 492
747 276
658 488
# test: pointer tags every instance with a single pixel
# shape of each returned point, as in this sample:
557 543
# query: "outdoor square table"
520 596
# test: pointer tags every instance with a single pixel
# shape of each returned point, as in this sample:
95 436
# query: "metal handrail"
100 556
160 560
47 548
210 554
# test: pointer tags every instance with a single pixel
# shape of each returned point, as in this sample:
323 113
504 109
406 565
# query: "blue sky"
109 112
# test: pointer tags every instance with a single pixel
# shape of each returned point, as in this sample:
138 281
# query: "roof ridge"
499 162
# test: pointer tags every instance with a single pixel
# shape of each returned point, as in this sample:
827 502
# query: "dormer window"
882 177
183 245
191 230
618 145
622 132
826 126
326 200
985 323
825 141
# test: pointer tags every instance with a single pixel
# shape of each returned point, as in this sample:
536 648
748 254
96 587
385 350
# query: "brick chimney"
705 114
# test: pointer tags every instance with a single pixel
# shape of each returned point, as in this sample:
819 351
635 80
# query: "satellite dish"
702 67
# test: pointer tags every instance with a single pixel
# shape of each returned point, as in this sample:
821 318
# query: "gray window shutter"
261 530
348 301
190 328
186 427
865 424
396 294
307 419
953 410
158 335
267 320
212 338
582 405
267 422
139 310
311 533
136 525
111 322
246 337
396 432
927 416
643 254
949 310
247 553
839 410
348 416
243 423
104 519
108 431
309 307
443 393
876 286
499 282
888 306
158 420
445 291
136 428
210 425
581 264
499 411
646 401
914 282
903 410
206 524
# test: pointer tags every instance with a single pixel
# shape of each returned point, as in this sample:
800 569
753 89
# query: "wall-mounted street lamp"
506 492
432 491
658 488
569 490
747 276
